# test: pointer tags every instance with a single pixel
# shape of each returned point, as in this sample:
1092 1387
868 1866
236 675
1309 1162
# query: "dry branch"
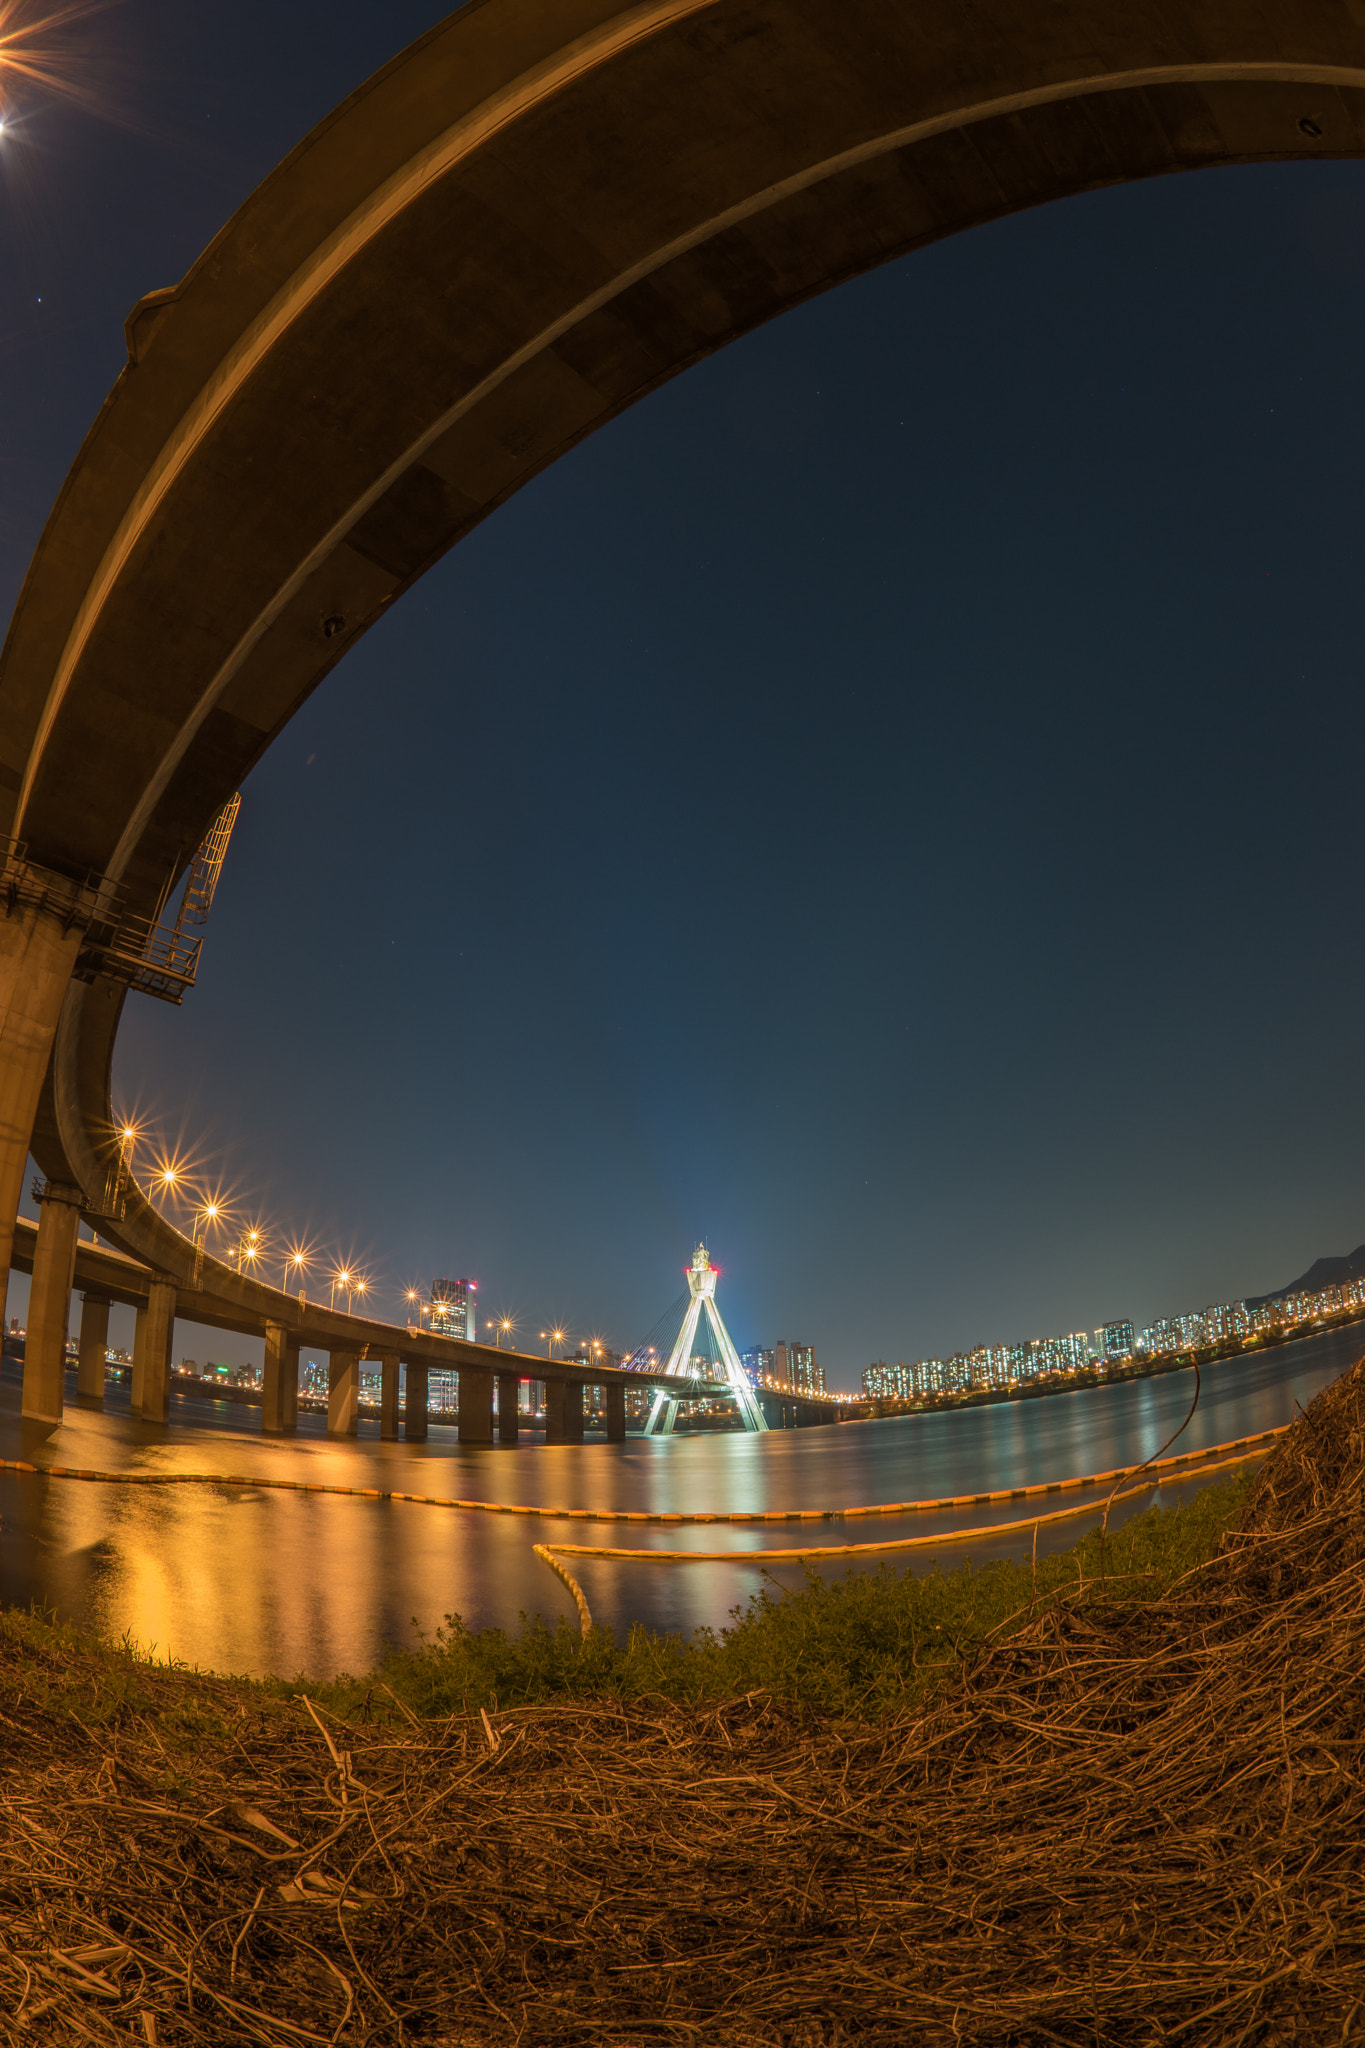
1122 1824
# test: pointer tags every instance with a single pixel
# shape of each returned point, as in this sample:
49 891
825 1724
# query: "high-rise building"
793 1367
454 1311
805 1374
1116 1340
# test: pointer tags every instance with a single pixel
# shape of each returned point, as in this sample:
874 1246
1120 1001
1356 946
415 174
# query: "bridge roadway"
530 219
289 1323
223 1299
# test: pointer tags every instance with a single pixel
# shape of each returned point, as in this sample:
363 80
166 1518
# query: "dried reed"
1120 1823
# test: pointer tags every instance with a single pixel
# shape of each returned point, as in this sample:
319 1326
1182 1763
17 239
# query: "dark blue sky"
889 803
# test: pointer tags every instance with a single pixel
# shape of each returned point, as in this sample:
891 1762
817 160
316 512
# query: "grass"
861 1644
972 1806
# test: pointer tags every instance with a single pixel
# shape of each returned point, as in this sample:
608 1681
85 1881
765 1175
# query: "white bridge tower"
701 1282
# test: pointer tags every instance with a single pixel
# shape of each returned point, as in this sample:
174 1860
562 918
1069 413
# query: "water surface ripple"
235 1577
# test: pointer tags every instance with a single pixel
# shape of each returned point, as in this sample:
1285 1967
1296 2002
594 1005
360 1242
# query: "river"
237 1577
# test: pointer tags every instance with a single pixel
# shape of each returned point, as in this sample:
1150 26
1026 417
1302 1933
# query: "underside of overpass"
530 219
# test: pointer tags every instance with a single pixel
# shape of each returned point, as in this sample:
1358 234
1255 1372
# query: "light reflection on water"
241 1578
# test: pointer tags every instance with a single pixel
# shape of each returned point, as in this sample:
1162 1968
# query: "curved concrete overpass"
530 219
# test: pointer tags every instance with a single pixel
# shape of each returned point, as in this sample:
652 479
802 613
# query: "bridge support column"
509 1393
415 1403
616 1412
343 1393
280 1391
49 1302
476 1406
152 1334
778 1413
94 1347
38 948
563 1411
663 1413
388 1396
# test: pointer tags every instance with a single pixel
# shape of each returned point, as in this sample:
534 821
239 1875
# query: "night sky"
891 803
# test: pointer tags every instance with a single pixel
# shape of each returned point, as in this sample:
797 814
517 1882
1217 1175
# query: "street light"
170 1179
297 1263
506 1324
120 1171
249 1248
341 1278
208 1213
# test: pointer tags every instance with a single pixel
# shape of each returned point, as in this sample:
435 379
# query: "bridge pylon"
701 1285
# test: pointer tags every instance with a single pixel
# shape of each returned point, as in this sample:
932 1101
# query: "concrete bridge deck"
289 1323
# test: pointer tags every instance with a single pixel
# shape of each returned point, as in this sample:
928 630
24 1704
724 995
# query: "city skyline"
1220 1323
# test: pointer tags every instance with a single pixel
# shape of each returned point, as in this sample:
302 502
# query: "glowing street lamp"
169 1179
506 1324
208 1212
344 1279
295 1266
120 1170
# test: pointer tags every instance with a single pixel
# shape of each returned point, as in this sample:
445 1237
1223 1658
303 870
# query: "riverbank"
1104 1375
1059 1829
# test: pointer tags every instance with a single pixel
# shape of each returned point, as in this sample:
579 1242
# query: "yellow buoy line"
640 1516
550 1554
1214 1458
1082 1507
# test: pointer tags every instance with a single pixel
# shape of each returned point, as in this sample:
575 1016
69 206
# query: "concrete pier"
476 1406
564 1411
280 1388
49 1302
94 1347
43 920
343 1393
389 1369
415 1403
509 1393
152 1333
616 1412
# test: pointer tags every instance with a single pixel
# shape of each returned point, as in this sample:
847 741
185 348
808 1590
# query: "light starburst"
37 50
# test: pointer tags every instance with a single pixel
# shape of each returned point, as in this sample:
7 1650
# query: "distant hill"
1322 1273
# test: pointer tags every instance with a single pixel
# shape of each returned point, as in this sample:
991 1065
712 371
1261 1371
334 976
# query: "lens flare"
35 50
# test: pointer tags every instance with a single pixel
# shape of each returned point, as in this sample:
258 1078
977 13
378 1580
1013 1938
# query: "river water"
235 1577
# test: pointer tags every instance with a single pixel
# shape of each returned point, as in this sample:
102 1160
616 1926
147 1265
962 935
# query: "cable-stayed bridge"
690 1356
